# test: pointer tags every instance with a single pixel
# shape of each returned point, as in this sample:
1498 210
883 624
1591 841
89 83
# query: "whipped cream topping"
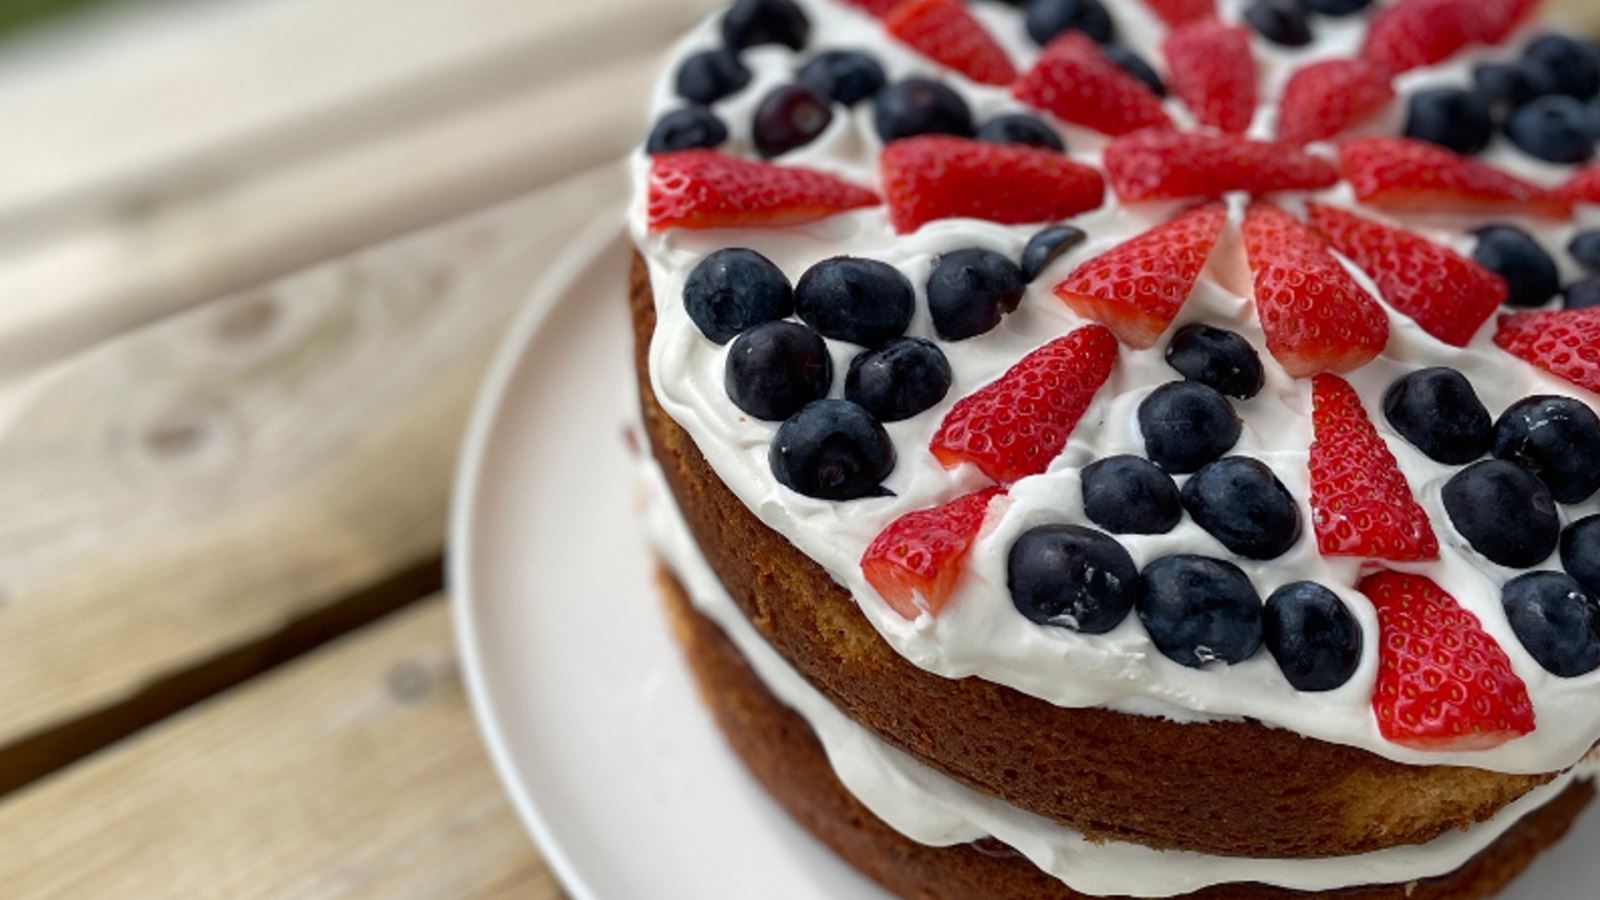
932 809
980 633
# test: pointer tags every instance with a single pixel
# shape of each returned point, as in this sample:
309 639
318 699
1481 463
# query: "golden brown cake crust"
1225 788
782 752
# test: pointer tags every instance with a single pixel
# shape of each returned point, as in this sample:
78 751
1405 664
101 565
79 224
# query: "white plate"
582 697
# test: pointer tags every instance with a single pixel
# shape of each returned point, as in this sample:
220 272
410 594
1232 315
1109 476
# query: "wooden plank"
353 773
199 485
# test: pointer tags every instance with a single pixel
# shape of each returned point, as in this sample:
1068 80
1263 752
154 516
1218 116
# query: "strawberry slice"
1174 165
1177 13
1324 98
1404 174
1210 68
1361 503
1565 342
1078 83
915 562
1584 187
705 189
945 32
938 177
1415 33
1443 683
1500 18
1316 317
1449 295
1137 288
879 8
1016 425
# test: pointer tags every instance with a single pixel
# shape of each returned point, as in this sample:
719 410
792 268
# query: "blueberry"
862 301
1047 246
1312 635
1510 85
710 75
1072 577
686 129
920 106
1134 64
1218 359
1047 19
1580 553
971 290
789 117
1514 255
1186 425
1585 248
843 76
1557 623
1555 438
1593 117
1583 294
1243 505
1437 411
1573 64
1554 129
1504 512
832 450
1450 117
776 368
1335 7
1130 495
1199 610
1021 128
749 23
733 290
898 380
1283 22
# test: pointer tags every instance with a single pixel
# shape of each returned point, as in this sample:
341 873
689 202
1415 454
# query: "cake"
1135 449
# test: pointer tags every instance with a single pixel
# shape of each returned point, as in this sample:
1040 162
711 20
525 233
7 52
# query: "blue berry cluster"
1287 23
1532 274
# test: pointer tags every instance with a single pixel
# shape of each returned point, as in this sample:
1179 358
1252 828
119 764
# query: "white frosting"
980 633
932 809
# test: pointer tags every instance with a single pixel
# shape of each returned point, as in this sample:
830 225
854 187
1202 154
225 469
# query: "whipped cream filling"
933 809
980 633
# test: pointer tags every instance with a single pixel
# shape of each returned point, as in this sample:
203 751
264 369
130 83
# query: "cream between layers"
932 809
980 633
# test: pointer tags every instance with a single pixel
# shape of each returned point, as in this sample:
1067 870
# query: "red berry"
1449 295
1137 288
938 177
1016 425
1316 317
945 32
1361 503
706 189
1078 83
1173 165
1584 187
1324 98
1565 343
1181 12
879 8
1414 33
1443 683
1501 17
1404 174
915 562
1210 67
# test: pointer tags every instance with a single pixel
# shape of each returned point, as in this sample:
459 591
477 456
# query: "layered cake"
1140 448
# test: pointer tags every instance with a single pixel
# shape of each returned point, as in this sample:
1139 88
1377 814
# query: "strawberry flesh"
914 564
1210 67
1177 13
698 189
1404 174
937 177
1076 82
1173 165
1325 98
1415 33
1565 343
1584 187
945 32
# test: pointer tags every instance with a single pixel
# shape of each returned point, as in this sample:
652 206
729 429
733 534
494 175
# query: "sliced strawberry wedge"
915 562
879 8
1076 82
1016 425
945 32
1361 503
936 177
1210 68
1137 288
1172 165
1443 683
1325 98
1584 187
1449 295
1315 316
1565 343
1404 174
1414 33
705 189
1181 12
1499 18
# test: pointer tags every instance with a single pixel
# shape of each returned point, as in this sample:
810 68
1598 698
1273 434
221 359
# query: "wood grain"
353 773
